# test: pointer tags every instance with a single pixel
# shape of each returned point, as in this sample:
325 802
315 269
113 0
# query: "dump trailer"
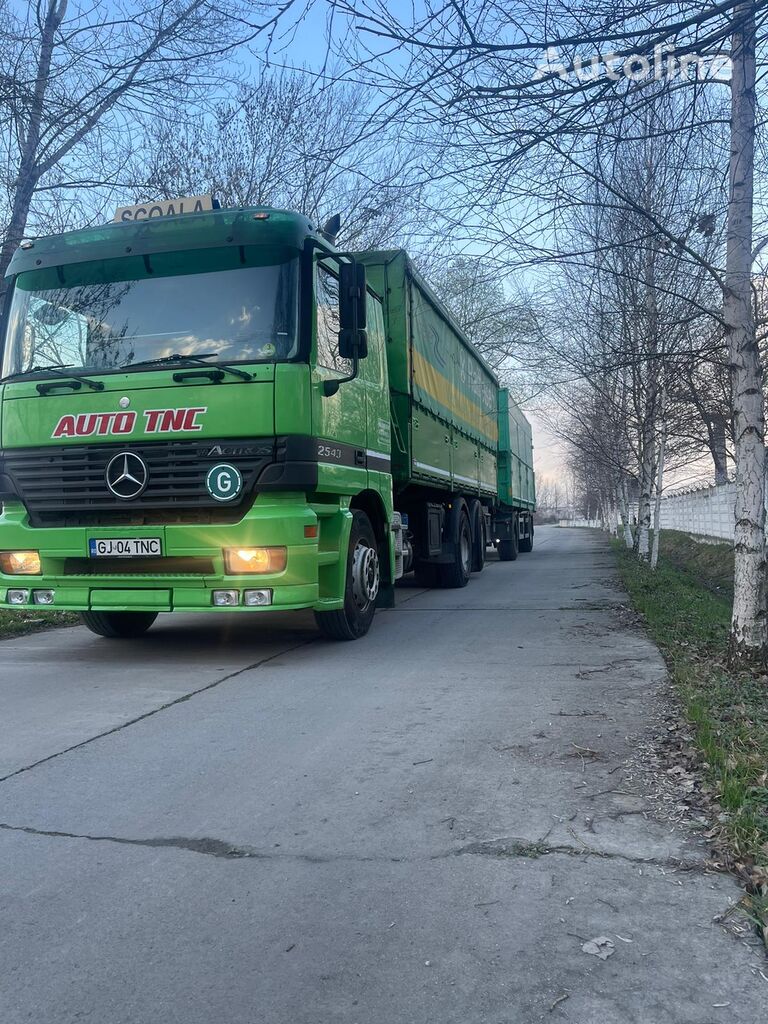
462 451
217 410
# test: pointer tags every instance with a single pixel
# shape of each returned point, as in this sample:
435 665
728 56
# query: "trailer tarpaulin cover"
517 485
448 379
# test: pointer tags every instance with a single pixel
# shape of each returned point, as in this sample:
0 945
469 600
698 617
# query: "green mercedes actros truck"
207 409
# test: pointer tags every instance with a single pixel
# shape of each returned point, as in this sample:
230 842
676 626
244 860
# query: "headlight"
20 563
246 561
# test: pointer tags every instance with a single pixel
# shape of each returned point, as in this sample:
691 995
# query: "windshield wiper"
177 359
56 370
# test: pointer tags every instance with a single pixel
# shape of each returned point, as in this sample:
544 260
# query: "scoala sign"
108 424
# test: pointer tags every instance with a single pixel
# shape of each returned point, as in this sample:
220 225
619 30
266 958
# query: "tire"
362 585
118 625
509 548
526 543
457 573
477 520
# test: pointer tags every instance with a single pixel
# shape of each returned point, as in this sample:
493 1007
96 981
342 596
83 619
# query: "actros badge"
224 482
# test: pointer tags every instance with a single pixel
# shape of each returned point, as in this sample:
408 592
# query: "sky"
303 45
548 458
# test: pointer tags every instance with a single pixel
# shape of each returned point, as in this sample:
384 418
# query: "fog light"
257 598
17 596
247 561
226 598
20 563
43 596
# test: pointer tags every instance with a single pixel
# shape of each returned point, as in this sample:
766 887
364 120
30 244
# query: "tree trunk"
659 486
614 515
719 448
22 200
748 621
650 411
605 513
625 516
642 539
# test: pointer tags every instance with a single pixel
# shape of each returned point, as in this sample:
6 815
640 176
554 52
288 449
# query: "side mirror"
353 311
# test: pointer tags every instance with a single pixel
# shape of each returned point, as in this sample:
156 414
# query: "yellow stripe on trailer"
434 383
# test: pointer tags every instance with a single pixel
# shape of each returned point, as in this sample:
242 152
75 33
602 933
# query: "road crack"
500 848
510 848
203 845
156 711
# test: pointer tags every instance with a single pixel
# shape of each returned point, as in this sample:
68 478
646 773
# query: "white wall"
706 511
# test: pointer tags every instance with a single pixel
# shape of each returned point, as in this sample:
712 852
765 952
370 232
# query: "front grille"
150 517
170 565
65 485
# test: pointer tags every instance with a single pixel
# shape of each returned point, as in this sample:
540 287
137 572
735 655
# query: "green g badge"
224 482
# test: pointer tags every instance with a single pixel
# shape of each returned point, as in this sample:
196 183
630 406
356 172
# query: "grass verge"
686 604
32 621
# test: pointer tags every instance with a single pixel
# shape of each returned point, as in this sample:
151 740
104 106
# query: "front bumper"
308 580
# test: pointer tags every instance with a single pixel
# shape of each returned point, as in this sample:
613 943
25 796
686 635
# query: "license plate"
128 547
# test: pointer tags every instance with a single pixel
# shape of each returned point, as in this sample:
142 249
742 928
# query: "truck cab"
194 416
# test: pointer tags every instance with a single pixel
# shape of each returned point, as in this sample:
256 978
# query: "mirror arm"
330 387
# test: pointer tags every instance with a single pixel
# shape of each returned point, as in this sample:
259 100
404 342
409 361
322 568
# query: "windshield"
110 319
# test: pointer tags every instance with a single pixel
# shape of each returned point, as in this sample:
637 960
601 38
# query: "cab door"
373 370
339 421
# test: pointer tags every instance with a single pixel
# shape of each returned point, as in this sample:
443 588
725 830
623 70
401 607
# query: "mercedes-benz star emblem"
127 475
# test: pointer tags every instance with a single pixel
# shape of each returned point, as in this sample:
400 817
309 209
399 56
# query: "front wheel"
361 588
118 625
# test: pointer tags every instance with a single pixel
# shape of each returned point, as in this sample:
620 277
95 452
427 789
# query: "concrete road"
233 821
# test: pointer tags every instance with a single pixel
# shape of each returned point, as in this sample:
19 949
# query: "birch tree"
517 99
748 630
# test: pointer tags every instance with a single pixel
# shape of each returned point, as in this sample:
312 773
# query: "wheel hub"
466 550
366 576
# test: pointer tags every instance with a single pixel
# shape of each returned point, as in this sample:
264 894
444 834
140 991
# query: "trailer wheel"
456 574
509 547
118 625
362 585
477 519
526 543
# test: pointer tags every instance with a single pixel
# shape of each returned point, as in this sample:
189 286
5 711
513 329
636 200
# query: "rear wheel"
477 519
526 543
508 548
118 625
362 585
456 574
